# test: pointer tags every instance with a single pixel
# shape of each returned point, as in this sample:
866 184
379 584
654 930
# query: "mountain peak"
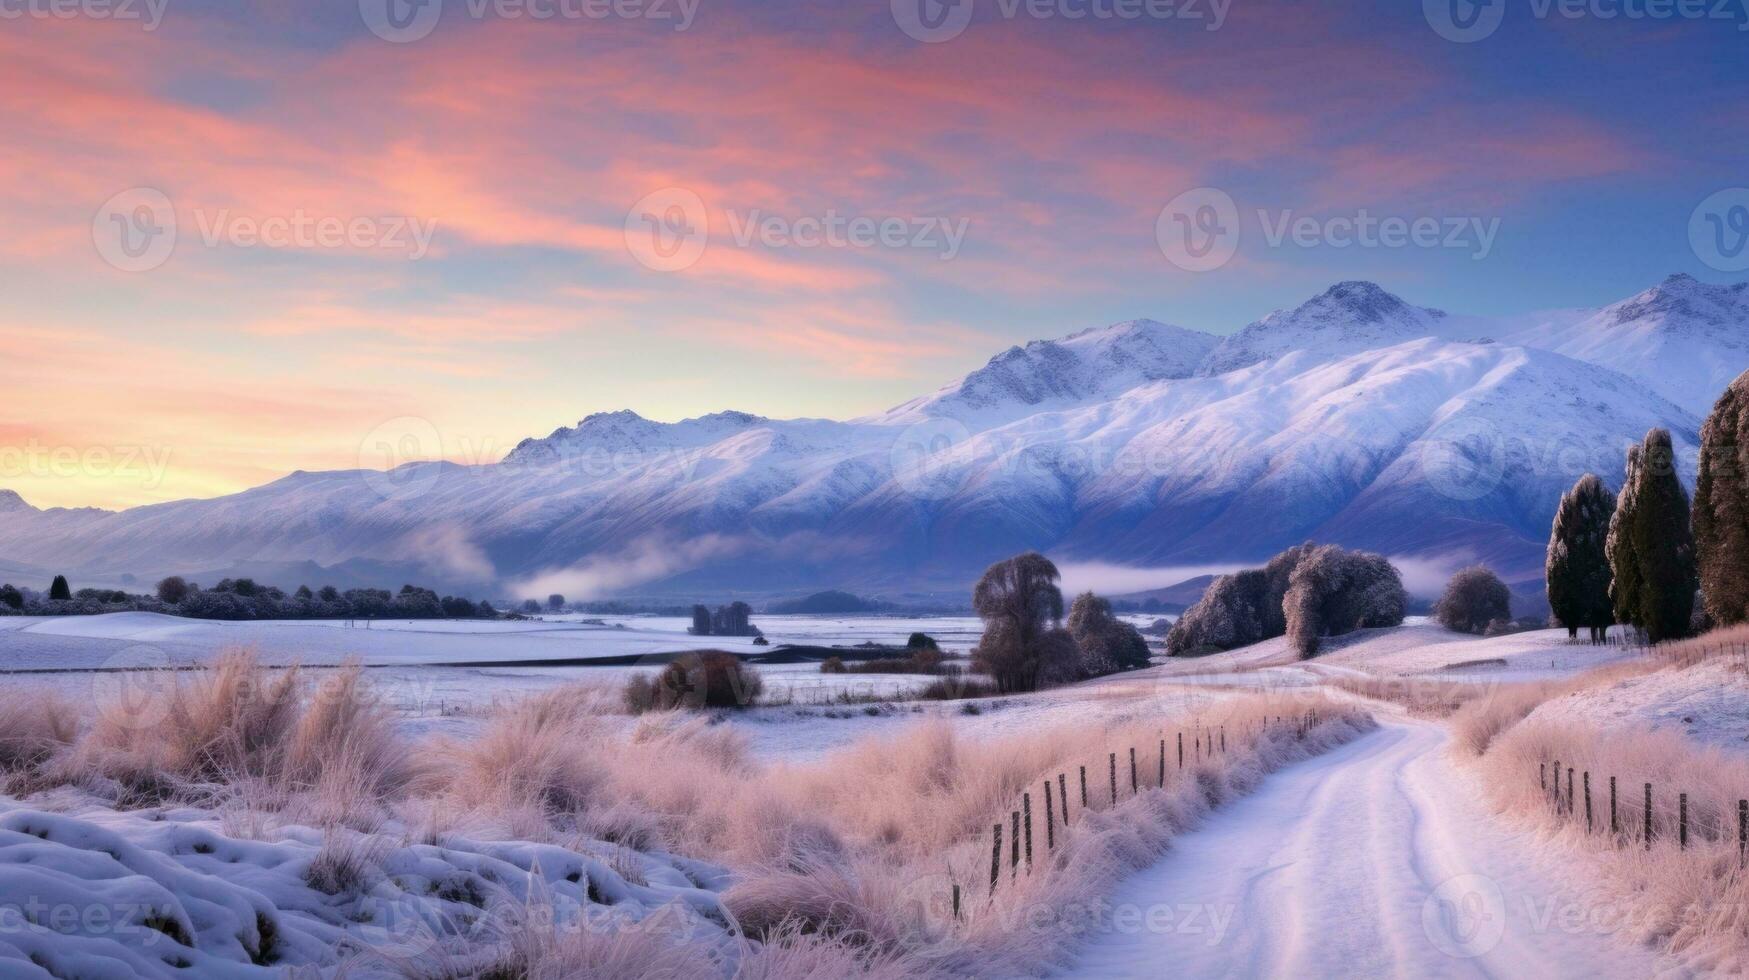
10 501
1350 316
1681 297
1364 302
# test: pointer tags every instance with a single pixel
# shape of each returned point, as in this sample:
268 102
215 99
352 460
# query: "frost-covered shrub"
709 679
1335 591
1474 600
1238 609
1106 644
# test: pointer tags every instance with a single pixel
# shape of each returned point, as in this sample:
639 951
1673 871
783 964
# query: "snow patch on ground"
105 894
1705 703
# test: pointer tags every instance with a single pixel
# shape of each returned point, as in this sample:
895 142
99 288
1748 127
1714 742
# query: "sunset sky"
522 145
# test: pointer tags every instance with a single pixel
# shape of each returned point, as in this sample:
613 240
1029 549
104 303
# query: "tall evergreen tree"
1624 562
58 589
1721 506
1578 561
1664 542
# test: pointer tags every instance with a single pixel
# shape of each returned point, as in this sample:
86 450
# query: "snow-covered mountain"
1682 338
1355 418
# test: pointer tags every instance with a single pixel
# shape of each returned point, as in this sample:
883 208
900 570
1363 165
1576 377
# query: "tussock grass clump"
239 728
34 727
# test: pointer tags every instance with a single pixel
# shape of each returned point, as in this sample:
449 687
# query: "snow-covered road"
1374 860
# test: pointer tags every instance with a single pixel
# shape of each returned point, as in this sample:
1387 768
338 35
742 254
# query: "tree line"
1649 557
242 599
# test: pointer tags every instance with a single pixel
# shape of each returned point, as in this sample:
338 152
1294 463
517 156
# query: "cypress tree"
1578 562
1624 562
1721 507
58 589
1664 541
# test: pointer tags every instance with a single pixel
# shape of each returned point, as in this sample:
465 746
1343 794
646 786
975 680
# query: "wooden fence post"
1648 816
1135 787
1223 740
1682 820
1114 779
1614 827
1050 818
1742 831
1083 787
1542 776
995 857
956 901
1570 789
1014 847
1162 763
1557 786
1181 750
1588 801
1026 802
1063 791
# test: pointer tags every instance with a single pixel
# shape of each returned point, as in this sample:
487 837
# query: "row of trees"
1630 557
734 619
1026 644
243 598
1306 593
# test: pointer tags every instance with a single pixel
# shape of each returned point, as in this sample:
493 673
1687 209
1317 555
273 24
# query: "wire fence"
1639 814
1121 776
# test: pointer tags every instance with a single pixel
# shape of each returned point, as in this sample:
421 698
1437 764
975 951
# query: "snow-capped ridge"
625 431
1094 363
1348 317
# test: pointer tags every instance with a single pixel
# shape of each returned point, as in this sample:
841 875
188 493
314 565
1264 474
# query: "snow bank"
150 894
